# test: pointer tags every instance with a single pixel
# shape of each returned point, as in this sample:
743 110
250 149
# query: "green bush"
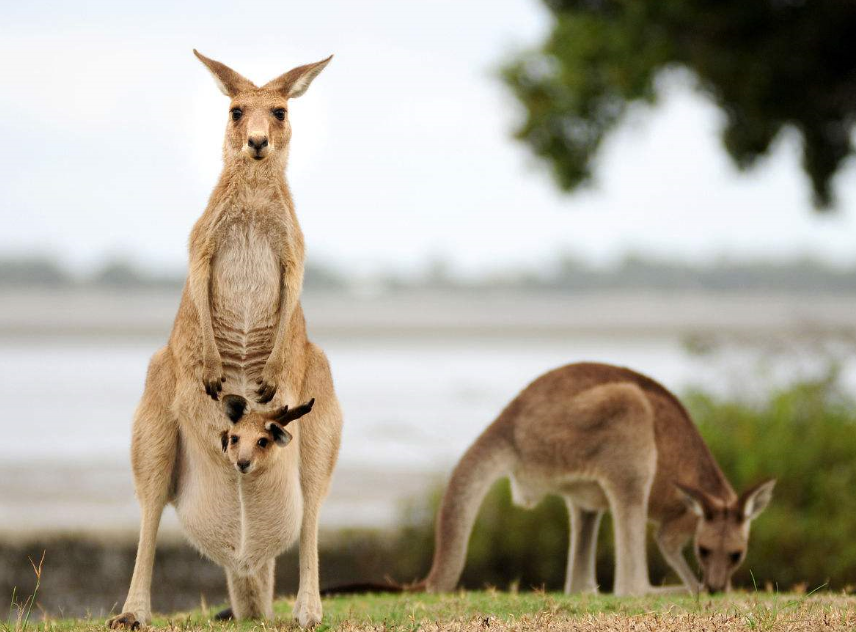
803 435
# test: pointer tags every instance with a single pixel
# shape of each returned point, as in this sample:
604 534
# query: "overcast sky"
401 153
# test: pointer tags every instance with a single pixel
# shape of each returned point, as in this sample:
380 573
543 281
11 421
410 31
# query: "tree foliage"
767 64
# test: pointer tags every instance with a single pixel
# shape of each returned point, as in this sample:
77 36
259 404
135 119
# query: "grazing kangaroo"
239 327
605 438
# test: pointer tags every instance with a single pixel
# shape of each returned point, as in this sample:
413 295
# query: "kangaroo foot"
265 392
307 610
124 621
224 615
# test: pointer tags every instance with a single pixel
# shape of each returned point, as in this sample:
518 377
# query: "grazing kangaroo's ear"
224 439
235 406
296 81
229 81
281 436
755 499
285 415
699 502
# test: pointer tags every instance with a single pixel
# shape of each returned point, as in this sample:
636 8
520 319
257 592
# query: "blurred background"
487 192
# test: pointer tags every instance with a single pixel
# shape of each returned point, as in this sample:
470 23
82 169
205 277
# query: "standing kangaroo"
240 326
605 438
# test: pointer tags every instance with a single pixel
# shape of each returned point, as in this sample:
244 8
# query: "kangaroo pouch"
239 521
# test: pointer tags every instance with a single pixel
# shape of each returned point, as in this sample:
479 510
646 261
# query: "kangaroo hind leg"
625 466
154 451
319 448
580 575
628 471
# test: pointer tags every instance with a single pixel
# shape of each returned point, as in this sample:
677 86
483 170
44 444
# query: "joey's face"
249 445
722 534
254 438
258 126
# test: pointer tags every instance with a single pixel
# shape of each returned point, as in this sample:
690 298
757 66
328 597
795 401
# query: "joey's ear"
281 436
755 499
285 414
224 439
699 502
234 406
229 81
296 81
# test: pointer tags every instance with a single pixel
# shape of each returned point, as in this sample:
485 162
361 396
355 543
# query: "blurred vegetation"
568 274
767 65
42 271
804 435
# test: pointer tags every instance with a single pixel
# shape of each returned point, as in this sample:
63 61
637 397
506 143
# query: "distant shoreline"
147 313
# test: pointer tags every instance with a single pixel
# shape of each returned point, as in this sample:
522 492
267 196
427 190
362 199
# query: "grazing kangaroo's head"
254 437
258 126
722 535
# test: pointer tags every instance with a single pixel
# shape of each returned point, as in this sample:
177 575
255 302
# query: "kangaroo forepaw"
265 392
124 621
212 379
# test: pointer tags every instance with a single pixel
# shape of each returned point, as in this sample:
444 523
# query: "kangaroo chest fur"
246 287
238 521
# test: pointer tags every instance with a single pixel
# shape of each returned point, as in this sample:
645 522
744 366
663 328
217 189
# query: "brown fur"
239 326
605 438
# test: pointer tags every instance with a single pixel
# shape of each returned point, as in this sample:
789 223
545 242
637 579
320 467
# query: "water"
412 406
409 404
414 398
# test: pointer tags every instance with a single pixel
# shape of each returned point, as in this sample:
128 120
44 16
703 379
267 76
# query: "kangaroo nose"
257 143
243 465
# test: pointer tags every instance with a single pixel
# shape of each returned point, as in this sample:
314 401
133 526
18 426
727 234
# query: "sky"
402 150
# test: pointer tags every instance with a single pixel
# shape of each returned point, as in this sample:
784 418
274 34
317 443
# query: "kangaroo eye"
703 552
279 113
263 442
735 557
236 113
233 439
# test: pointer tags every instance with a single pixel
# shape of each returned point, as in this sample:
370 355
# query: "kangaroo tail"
363 588
491 456
488 458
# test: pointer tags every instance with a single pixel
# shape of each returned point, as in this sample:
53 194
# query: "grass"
24 610
493 610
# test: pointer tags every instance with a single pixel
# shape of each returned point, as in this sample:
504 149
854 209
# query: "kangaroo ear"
224 439
755 499
286 414
234 406
296 81
699 502
229 81
281 436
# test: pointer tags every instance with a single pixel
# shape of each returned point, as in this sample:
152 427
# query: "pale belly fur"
529 487
238 523
245 301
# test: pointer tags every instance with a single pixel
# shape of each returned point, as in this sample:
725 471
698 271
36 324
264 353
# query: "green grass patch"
483 610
